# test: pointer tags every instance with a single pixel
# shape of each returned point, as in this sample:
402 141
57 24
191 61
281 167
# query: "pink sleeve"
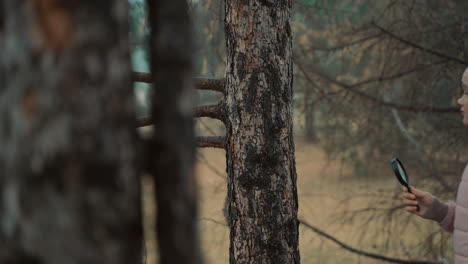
447 223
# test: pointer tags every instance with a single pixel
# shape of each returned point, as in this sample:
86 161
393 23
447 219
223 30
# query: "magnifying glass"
400 173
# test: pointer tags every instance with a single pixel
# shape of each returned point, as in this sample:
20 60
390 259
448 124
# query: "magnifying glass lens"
402 173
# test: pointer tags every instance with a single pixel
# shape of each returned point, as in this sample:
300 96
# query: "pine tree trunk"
260 150
68 171
173 142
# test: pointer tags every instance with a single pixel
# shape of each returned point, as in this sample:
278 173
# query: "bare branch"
213 221
213 111
350 87
207 127
417 46
211 142
411 108
345 45
424 163
311 81
394 76
364 253
210 166
216 85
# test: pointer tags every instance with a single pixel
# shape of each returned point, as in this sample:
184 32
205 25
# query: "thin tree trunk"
262 189
309 124
173 144
68 171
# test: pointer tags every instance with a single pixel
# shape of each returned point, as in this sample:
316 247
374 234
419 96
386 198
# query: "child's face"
463 102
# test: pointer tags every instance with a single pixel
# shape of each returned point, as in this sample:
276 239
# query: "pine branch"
211 142
213 111
216 85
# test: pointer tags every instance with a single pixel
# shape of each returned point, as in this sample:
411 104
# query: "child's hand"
429 206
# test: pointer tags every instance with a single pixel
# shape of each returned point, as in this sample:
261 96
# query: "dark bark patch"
283 44
268 3
251 98
240 60
293 231
276 86
288 30
273 247
101 174
251 178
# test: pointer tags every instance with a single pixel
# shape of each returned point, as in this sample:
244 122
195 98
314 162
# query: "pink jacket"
456 221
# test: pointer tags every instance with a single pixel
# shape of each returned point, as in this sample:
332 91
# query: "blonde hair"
465 77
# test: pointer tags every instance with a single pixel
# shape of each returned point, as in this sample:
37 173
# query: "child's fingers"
417 192
412 209
408 196
411 202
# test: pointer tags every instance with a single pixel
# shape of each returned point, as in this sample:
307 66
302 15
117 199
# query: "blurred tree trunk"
173 144
2 28
68 172
2 18
310 133
260 149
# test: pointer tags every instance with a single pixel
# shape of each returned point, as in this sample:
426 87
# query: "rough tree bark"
172 146
260 151
69 191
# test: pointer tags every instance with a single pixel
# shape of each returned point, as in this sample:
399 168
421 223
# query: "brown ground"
323 188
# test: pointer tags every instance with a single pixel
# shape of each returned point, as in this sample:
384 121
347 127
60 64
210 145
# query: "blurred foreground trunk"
69 191
173 145
261 168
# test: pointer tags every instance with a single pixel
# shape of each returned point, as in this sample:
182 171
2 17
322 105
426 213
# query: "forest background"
372 80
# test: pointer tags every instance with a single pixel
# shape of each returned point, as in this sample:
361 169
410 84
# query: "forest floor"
326 189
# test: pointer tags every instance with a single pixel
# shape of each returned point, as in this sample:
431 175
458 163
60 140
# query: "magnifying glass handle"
409 190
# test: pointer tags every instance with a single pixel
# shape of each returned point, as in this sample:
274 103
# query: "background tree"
172 144
68 170
260 148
